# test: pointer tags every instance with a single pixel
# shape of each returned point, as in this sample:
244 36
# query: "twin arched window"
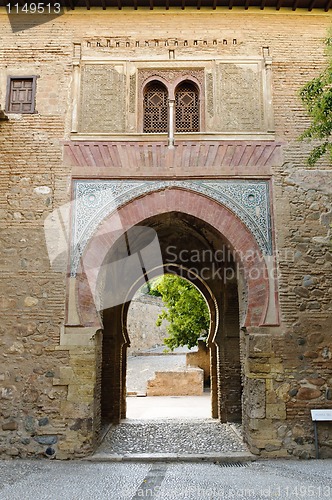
155 108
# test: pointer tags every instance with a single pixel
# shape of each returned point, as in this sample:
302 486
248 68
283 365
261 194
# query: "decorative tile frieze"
95 200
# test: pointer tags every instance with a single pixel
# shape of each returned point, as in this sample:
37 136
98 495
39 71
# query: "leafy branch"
316 95
186 311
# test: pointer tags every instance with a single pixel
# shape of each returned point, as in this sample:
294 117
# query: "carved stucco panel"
132 93
239 98
170 75
103 99
209 94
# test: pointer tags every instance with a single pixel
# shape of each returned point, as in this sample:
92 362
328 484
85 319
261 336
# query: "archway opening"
192 249
168 359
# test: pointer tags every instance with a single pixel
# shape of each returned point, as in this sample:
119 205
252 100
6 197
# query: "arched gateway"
175 149
199 238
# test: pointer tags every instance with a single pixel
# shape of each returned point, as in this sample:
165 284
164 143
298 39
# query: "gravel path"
165 436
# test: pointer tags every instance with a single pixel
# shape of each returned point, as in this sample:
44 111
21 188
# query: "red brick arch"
218 216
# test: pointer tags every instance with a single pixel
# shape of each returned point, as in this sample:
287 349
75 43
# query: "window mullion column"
171 123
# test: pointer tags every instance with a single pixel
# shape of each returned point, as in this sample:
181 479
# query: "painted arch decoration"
96 199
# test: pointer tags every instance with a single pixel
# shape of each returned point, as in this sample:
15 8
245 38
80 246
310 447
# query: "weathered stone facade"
62 362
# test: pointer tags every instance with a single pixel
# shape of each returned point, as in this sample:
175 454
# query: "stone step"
223 458
172 439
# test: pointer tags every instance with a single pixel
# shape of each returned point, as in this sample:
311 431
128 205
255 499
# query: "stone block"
80 393
276 411
73 409
46 440
283 392
255 398
307 393
257 367
276 367
30 424
263 443
263 428
66 376
259 345
271 397
189 382
10 426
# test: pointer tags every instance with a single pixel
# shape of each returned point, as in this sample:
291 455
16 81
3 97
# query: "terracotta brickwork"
52 374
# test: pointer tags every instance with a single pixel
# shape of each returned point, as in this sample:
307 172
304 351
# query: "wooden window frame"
145 90
33 96
196 89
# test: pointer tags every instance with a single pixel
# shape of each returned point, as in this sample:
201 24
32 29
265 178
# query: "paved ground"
45 480
155 407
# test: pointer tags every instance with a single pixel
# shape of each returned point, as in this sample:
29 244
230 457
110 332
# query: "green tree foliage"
316 96
186 311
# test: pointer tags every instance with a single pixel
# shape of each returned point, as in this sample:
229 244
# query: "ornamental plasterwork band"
95 200
170 74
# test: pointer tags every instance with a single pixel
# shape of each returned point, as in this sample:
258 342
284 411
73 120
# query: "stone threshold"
230 457
147 353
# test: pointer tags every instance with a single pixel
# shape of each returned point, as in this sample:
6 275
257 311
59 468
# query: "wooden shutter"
21 95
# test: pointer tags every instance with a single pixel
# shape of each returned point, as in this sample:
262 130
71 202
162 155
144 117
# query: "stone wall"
50 367
142 316
200 359
188 382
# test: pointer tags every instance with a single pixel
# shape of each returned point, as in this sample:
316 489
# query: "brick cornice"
123 158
